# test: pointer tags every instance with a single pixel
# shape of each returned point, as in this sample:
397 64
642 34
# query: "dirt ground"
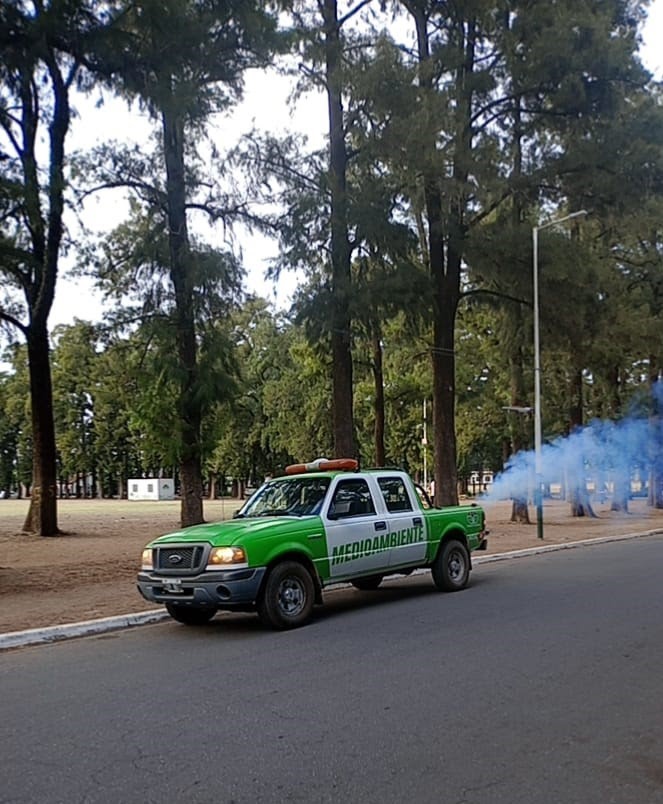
89 571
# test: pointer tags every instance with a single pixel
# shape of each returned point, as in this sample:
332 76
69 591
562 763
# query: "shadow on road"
337 602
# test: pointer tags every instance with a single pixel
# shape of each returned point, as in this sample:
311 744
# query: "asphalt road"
542 682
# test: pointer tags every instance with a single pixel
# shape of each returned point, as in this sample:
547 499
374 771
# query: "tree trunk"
378 379
444 367
517 421
578 494
622 477
341 345
621 492
520 511
42 513
446 235
45 232
189 405
655 495
580 504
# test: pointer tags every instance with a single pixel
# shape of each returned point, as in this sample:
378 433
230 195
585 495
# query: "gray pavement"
55 633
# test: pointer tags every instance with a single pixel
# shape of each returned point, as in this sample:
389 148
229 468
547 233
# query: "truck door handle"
417 521
380 526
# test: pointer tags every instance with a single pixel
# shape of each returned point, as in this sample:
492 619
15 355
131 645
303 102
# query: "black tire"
451 568
368 584
190 615
287 597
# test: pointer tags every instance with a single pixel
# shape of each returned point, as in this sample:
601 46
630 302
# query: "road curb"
56 633
549 548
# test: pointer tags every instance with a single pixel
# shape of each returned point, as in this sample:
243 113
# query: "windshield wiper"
276 512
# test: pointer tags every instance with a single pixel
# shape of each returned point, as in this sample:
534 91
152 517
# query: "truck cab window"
351 498
395 494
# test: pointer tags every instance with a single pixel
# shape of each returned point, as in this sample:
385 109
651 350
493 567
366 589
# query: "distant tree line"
453 129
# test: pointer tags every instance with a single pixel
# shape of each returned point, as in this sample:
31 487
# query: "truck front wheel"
288 596
190 615
451 568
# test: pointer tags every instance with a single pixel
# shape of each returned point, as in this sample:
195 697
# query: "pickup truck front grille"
177 559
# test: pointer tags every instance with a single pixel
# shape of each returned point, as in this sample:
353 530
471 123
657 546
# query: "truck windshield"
296 496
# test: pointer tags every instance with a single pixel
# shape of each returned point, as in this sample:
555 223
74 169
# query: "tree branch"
351 13
10 319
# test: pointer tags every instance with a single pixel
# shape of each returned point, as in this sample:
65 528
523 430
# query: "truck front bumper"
224 589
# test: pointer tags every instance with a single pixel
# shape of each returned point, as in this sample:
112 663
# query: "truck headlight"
223 556
146 561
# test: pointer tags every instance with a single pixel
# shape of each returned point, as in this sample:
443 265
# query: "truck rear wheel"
288 596
190 615
368 584
451 568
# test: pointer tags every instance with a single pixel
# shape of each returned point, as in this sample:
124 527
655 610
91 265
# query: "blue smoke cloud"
601 452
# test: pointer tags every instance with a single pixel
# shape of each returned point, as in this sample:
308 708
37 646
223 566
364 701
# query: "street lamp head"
578 213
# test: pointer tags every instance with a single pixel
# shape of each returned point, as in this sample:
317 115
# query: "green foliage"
516 116
185 56
298 402
15 423
73 381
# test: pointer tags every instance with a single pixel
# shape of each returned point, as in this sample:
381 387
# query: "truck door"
357 539
405 521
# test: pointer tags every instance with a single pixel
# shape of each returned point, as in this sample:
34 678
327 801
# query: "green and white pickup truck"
300 533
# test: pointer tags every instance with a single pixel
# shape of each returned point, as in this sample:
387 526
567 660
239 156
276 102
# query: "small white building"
151 488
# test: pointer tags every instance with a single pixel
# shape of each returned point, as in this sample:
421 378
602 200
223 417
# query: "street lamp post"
424 445
538 467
